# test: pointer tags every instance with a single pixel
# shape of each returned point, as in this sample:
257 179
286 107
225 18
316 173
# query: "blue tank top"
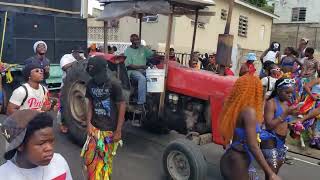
279 110
315 89
241 134
270 134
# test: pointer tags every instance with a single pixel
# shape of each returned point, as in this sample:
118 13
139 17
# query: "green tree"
259 3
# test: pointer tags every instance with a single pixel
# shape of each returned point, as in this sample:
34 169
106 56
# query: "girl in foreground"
240 121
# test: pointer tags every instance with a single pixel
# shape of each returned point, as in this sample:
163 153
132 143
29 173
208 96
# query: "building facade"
297 19
250 26
297 11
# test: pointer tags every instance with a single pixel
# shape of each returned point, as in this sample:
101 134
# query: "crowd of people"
257 116
28 129
262 110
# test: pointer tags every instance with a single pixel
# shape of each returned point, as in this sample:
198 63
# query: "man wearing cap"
65 63
249 67
68 59
30 150
31 95
40 49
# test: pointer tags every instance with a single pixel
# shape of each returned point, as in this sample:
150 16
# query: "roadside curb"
308 152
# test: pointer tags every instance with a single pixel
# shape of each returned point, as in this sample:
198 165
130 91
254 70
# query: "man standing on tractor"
40 49
136 61
105 118
31 95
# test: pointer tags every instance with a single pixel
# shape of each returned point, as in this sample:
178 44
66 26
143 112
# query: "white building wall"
283 8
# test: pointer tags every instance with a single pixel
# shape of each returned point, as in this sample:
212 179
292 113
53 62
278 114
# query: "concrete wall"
284 10
152 33
290 34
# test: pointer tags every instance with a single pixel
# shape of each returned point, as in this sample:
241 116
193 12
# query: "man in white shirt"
31 95
30 151
65 63
68 59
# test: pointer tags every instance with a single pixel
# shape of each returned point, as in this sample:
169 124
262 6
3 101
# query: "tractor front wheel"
183 160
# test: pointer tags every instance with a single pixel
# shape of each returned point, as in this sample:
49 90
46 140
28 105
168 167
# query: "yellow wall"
207 38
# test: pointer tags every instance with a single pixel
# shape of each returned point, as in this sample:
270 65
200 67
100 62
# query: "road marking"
307 162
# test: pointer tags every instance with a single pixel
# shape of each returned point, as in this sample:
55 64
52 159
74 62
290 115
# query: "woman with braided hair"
240 122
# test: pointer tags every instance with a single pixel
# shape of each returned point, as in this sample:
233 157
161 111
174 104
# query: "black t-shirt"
104 98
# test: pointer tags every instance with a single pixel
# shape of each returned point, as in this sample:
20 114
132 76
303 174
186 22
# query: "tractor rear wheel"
74 103
183 160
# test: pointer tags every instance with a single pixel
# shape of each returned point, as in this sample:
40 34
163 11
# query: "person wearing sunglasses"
277 114
269 82
40 49
31 95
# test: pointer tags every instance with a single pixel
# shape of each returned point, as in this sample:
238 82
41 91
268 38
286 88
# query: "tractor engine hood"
197 83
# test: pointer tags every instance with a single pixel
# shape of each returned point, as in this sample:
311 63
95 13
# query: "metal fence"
182 57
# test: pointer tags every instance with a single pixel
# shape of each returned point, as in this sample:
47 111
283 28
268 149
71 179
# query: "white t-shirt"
269 88
270 56
35 99
66 59
58 169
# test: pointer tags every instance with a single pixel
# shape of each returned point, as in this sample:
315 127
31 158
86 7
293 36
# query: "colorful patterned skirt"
98 153
307 107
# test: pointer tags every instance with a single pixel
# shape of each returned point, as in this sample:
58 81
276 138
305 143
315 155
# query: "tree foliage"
259 3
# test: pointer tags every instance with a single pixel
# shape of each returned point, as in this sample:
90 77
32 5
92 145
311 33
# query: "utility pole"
84 9
225 43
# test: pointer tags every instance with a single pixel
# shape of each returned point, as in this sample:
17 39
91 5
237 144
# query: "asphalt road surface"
141 158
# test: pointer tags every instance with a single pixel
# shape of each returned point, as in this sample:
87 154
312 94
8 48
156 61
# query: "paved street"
141 158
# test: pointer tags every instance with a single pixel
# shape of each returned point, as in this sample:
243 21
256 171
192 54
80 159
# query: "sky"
93 4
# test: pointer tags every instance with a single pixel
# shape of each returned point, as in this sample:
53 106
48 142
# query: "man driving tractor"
136 61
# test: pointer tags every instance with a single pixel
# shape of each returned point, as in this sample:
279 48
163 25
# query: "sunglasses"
38 70
276 69
286 82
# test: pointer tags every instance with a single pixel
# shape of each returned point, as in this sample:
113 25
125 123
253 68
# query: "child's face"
275 72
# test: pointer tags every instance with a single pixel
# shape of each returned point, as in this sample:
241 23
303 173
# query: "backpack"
27 94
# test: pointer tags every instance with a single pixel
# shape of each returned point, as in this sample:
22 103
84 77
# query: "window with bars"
224 14
150 19
243 26
299 14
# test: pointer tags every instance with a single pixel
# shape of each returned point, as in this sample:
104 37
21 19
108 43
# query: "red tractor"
193 102
190 104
